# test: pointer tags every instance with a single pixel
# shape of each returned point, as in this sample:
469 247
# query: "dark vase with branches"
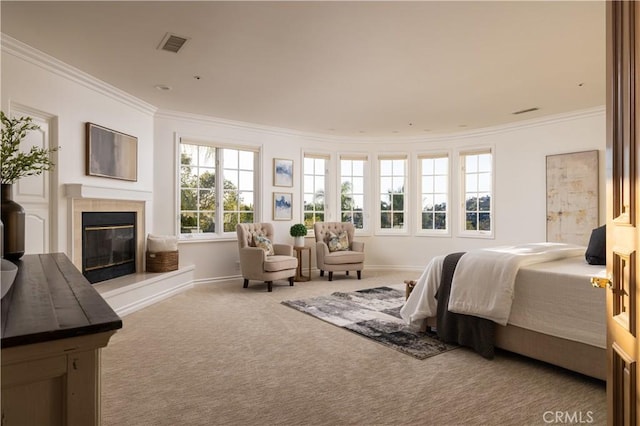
16 164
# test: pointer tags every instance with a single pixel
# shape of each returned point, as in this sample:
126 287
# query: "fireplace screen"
108 245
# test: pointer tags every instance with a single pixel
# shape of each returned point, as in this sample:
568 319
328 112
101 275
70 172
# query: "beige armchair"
256 263
336 250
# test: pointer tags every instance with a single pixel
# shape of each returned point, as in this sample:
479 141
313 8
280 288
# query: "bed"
551 312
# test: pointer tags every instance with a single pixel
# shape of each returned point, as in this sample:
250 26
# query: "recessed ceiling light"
162 87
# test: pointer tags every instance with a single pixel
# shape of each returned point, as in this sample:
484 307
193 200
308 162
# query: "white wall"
519 196
72 98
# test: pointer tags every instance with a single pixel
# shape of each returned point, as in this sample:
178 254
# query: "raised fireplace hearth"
131 292
108 245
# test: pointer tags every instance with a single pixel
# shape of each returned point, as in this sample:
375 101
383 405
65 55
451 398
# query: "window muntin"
477 181
392 193
352 190
434 193
197 189
314 185
203 204
238 191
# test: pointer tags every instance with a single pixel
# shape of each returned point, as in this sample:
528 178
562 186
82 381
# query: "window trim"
328 191
366 213
461 153
257 197
407 194
418 194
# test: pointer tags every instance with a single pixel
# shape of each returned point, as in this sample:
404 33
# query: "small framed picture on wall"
282 206
282 172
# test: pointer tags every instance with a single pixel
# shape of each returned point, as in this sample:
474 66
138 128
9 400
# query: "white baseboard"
133 292
136 291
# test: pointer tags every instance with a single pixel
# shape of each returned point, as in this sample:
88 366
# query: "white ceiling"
356 68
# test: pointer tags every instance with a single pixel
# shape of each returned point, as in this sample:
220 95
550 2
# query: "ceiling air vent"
172 43
522 111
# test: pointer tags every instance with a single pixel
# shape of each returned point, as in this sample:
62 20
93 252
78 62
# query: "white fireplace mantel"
79 190
88 198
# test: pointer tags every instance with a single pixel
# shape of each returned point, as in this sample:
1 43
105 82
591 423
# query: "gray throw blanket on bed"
465 330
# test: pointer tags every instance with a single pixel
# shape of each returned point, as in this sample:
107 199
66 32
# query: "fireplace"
108 244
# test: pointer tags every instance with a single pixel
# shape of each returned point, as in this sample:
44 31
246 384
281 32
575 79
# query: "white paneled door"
33 193
623 213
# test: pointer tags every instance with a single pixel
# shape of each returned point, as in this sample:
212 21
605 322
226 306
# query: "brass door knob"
602 282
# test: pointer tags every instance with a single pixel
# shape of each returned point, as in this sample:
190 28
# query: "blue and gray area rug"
373 313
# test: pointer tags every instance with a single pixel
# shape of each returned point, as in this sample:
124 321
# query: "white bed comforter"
483 282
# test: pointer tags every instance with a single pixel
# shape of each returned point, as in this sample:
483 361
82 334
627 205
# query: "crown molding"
27 53
517 126
487 131
16 48
246 126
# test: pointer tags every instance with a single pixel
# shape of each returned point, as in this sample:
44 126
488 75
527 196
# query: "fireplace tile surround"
86 198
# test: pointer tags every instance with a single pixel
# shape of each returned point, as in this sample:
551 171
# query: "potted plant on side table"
298 232
16 164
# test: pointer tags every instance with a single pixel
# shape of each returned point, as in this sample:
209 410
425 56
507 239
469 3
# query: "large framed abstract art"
572 197
111 154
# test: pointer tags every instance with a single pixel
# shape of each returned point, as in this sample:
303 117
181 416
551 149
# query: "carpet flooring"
373 313
220 354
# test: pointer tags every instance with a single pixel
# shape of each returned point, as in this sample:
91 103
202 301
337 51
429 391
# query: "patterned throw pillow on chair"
264 243
338 242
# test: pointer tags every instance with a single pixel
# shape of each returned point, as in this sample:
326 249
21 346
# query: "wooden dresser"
54 324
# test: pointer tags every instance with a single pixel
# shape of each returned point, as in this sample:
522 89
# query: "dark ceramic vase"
13 221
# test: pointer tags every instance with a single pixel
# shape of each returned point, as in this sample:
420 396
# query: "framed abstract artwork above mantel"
111 154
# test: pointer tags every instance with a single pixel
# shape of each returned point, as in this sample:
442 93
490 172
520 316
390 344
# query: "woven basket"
163 261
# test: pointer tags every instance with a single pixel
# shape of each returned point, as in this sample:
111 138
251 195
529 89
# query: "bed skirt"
575 356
